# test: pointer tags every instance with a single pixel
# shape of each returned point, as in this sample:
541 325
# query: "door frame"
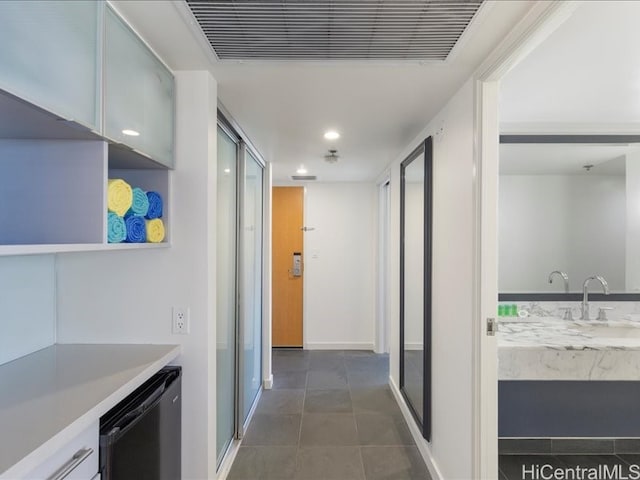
381 344
540 21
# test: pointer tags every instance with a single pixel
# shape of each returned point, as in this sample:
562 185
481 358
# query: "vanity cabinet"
138 94
49 56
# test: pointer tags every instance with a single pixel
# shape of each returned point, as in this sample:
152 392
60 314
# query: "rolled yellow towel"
155 230
119 196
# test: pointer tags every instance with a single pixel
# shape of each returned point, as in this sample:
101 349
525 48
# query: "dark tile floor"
330 416
521 467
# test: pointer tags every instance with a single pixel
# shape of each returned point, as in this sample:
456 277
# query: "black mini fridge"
140 438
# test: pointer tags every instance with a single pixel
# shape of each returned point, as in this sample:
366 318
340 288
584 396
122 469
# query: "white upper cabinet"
49 56
139 94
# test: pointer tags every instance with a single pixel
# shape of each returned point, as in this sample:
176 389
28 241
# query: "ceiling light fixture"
331 135
332 156
301 170
131 133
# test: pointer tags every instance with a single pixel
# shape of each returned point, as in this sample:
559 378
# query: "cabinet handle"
64 471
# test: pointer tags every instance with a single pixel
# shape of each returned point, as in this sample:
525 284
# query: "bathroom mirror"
415 283
568 203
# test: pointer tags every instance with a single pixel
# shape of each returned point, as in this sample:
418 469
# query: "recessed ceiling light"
131 133
331 135
301 170
227 170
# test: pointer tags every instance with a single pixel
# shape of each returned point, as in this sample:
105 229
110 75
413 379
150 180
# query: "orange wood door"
288 220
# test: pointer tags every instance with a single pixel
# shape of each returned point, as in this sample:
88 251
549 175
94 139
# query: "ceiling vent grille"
304 178
333 29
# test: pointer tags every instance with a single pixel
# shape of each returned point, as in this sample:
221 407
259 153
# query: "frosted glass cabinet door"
49 55
139 94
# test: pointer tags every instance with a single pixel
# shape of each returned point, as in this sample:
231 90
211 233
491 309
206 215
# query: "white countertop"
48 397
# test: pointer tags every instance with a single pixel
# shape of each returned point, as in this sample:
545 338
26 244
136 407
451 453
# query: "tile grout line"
353 409
304 399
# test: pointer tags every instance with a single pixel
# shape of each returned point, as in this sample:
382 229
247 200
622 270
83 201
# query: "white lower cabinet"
77 460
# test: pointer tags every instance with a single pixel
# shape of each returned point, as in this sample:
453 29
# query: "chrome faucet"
585 294
564 276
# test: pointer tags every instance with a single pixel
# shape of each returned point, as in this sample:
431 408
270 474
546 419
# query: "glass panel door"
251 286
226 292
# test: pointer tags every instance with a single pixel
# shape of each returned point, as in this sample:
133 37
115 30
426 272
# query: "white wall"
451 445
339 268
573 223
632 240
126 297
28 299
598 214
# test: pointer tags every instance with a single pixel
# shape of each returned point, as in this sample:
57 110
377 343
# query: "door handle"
66 469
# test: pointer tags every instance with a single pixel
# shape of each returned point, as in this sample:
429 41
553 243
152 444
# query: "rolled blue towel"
116 228
139 204
136 229
155 205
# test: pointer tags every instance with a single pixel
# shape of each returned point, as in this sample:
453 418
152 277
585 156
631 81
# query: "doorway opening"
565 171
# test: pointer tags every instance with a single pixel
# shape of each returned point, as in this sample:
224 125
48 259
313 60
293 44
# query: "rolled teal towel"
136 229
116 228
139 204
155 205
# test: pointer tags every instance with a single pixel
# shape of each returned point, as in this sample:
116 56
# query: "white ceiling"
586 75
286 107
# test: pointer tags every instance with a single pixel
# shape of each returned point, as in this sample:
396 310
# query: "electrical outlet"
180 320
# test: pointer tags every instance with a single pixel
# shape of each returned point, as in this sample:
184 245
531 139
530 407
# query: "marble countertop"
50 396
558 334
549 348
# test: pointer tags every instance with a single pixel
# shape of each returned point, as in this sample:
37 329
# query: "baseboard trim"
267 384
338 346
227 461
421 443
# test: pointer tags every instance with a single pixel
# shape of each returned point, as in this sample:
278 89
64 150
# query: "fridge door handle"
65 470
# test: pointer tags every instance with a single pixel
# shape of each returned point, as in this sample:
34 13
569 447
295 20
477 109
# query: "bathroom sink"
605 331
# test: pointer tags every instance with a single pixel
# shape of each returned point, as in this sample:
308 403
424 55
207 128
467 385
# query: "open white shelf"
54 194
14 250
